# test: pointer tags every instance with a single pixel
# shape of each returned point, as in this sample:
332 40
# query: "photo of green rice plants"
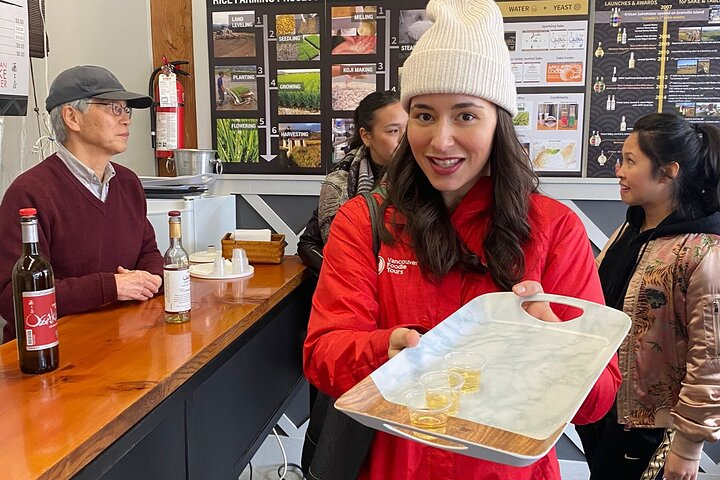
237 140
298 37
298 92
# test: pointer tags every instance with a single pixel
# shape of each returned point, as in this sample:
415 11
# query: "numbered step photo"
300 144
298 92
298 37
234 34
238 140
351 83
343 129
236 88
412 24
354 30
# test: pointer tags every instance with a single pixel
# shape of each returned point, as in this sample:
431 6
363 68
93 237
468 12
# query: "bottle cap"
174 213
27 212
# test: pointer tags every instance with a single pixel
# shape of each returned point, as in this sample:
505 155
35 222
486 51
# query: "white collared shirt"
86 175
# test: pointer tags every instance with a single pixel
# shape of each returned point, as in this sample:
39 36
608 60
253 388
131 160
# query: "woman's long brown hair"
427 220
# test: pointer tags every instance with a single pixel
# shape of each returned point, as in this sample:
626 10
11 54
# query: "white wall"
111 33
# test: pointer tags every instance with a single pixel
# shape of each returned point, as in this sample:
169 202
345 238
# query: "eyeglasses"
116 107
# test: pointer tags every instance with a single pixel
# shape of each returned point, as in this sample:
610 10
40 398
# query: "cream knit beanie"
463 52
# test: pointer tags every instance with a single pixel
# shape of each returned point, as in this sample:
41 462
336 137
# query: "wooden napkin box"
257 252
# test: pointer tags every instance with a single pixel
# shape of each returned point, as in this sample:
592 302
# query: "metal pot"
189 161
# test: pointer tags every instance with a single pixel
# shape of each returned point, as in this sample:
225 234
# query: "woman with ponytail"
662 267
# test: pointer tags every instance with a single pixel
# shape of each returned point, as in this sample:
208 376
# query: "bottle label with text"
177 290
40 319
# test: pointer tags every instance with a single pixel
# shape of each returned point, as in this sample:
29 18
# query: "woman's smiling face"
451 137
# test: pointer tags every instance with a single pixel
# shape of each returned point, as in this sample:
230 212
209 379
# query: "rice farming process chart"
279 66
288 74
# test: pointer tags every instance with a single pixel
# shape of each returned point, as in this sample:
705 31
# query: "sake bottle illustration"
615 17
612 102
614 75
618 38
608 104
601 159
631 62
623 124
599 52
623 38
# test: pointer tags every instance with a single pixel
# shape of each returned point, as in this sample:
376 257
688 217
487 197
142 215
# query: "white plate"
203 257
205 270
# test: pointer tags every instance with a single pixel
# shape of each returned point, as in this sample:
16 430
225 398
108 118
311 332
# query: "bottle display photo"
34 302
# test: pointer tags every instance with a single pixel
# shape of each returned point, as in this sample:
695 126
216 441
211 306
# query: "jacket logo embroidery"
396 266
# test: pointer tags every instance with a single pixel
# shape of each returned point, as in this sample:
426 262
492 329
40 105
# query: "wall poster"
14 58
650 56
288 74
548 45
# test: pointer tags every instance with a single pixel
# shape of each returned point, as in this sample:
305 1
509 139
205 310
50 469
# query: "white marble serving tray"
537 373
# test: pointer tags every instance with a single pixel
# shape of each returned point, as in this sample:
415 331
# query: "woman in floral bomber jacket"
661 267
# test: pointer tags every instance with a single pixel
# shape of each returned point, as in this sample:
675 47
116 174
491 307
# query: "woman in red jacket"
461 218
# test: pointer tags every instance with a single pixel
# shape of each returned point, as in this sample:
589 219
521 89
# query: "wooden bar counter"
135 397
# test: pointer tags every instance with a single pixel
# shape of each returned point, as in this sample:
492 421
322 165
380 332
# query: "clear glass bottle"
176 274
34 302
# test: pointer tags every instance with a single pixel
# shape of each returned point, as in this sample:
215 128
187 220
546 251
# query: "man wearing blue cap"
92 223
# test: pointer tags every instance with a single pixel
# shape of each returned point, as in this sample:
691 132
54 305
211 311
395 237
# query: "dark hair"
365 113
665 138
428 226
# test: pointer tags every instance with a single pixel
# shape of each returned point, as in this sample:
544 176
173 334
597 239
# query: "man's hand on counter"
136 284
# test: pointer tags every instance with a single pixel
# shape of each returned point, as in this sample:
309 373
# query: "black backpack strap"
373 207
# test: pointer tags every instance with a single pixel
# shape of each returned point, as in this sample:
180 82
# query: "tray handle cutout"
446 445
552 298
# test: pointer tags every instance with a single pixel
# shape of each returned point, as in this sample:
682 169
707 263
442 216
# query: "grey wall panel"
606 214
294 210
247 217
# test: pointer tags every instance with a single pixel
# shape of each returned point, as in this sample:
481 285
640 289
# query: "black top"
310 245
625 253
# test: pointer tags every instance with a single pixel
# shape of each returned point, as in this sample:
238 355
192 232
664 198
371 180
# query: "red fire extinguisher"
167 114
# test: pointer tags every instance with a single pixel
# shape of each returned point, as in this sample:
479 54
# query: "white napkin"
253 235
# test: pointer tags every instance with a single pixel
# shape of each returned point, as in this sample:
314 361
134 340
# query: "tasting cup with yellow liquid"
430 416
469 365
443 382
